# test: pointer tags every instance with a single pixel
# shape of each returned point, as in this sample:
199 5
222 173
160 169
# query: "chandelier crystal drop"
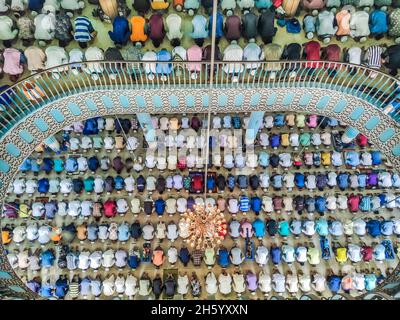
207 226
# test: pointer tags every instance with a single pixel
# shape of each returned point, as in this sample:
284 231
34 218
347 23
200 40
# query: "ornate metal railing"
31 93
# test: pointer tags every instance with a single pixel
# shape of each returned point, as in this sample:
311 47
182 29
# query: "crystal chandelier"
207 226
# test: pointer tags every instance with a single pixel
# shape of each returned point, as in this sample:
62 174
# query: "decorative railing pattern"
31 93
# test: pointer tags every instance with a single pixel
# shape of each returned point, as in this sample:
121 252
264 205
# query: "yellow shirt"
24 211
285 140
326 158
341 255
159 4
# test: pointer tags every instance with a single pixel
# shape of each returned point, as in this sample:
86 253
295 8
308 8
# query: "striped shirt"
74 290
83 29
374 56
244 203
365 204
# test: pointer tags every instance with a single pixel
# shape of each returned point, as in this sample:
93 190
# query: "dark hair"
175 42
199 41
157 42
83 45
7 43
393 72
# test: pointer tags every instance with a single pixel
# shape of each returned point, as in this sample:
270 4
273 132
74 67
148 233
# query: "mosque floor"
54 272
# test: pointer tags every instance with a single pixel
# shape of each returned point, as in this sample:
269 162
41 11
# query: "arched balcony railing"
31 93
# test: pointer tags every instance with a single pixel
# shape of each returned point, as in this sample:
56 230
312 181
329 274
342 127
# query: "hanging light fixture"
207 226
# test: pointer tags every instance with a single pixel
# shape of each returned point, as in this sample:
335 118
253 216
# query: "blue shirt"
279 120
277 181
374 228
320 204
58 165
26 165
91 125
199 27
378 22
244 203
210 182
223 258
283 228
242 181
387 227
47 165
259 228
123 232
230 182
121 32
322 227
370 282
352 158
299 180
256 205
219 29
83 29
46 291
164 56
71 165
365 204
61 288
35 167
343 180
43 185
376 158
159 206
362 180
275 140
263 159
276 255
119 183
334 283
134 261
47 258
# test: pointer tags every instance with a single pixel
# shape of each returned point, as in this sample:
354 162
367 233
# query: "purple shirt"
372 179
251 279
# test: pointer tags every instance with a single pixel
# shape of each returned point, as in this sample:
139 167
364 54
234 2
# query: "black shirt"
265 25
232 28
292 52
170 287
393 52
141 6
249 25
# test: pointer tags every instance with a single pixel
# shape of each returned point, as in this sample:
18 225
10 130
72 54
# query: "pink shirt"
194 53
312 121
246 229
12 63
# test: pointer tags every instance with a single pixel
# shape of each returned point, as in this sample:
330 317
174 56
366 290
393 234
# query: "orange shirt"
138 34
158 257
81 232
343 23
55 234
178 3
159 4
5 237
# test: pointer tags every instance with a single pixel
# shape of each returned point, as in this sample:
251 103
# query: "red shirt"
362 140
333 52
352 202
110 209
312 50
182 163
367 253
197 183
278 203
